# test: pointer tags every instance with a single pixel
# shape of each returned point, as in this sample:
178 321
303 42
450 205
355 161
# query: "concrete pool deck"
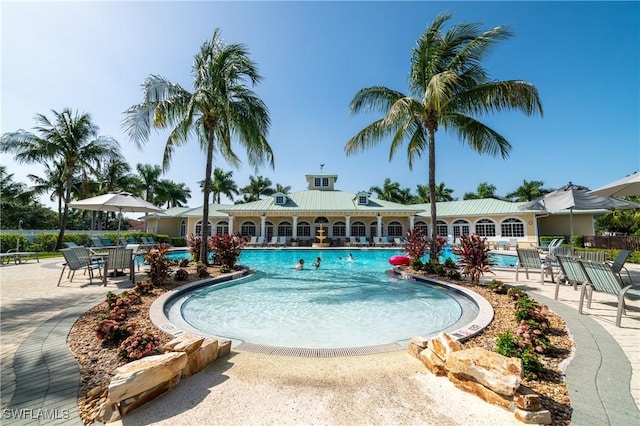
39 372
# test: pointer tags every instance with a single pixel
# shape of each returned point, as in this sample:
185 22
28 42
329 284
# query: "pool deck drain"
318 352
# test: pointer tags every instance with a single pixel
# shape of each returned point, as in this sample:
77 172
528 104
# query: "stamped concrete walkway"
40 379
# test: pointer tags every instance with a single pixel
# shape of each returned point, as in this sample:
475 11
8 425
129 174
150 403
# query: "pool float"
400 260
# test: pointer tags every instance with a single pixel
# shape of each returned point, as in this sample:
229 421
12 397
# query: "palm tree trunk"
65 214
204 258
432 194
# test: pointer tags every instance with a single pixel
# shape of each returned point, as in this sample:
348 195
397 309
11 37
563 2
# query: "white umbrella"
628 185
574 197
116 202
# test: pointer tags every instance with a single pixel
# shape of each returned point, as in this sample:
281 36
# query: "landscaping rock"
187 342
443 344
497 372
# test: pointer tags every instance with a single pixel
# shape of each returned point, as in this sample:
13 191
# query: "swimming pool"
342 304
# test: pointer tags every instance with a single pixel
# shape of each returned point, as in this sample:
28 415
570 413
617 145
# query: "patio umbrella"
628 185
116 202
574 197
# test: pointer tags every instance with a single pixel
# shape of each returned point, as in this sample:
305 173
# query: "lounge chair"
602 278
529 259
282 241
513 242
554 245
122 242
119 259
253 241
260 241
594 256
564 251
132 240
571 271
618 263
106 242
398 242
363 242
501 245
273 242
384 241
77 258
97 243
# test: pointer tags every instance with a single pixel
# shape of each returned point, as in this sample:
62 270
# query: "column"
231 225
263 225
412 219
294 227
347 222
379 227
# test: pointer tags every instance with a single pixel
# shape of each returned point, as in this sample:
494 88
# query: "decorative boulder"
187 342
443 344
206 354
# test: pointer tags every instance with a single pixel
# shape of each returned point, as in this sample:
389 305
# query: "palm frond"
480 137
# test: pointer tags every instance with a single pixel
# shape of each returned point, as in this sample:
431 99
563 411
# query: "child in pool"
316 264
300 264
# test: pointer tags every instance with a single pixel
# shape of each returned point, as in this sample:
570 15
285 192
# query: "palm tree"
172 193
70 139
149 176
52 182
222 183
529 191
220 107
258 186
390 191
282 189
442 193
448 86
484 190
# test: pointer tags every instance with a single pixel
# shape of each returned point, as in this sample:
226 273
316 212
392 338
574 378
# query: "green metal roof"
316 200
481 207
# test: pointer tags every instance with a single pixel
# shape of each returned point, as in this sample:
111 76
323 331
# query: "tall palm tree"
172 193
70 139
149 176
258 186
447 86
222 183
442 193
529 191
220 107
390 191
51 182
484 190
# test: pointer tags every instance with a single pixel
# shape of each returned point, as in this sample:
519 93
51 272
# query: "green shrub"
416 263
506 345
497 286
181 275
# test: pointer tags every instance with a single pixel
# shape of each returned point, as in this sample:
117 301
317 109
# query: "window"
248 229
512 228
268 230
316 182
198 229
280 199
422 226
325 182
339 229
394 229
486 228
222 228
304 229
183 228
442 229
460 227
358 230
285 229
373 229
363 200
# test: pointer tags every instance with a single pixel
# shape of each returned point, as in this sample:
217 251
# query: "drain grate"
318 352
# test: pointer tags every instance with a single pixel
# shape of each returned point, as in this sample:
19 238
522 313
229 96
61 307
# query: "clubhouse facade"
343 217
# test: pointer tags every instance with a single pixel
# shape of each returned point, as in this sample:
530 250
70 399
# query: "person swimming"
316 264
351 258
300 264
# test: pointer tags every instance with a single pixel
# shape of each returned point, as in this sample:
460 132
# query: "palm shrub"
474 256
227 249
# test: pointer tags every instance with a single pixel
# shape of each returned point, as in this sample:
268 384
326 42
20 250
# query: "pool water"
342 304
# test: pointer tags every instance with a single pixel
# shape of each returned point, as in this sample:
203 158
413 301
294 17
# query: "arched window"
183 228
339 229
373 229
198 229
422 226
441 228
461 227
512 227
394 229
285 229
358 229
486 228
304 229
248 229
222 227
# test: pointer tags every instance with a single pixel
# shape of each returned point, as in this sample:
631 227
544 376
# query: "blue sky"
314 56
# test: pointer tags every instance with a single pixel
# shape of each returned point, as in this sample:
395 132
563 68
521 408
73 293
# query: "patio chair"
602 278
363 241
119 259
282 241
97 243
106 242
513 242
398 242
260 241
571 271
553 246
384 241
273 242
564 251
131 240
529 259
252 241
77 258
594 256
122 242
618 263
